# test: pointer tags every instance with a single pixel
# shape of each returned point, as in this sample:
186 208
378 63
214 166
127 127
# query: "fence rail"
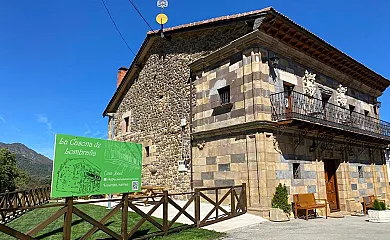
14 204
217 197
294 105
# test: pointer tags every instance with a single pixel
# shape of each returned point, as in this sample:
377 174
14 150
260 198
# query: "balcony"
294 107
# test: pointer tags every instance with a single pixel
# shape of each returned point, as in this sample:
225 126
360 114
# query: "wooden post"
244 201
232 202
197 207
68 218
125 215
165 213
216 201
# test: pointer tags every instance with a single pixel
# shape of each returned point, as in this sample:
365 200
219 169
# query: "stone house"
253 98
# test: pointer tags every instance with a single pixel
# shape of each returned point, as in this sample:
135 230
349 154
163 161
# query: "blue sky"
59 59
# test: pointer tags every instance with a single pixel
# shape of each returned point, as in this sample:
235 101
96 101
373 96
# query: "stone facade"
159 98
221 80
239 134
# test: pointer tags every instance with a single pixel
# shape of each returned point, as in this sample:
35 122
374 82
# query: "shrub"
377 206
383 205
280 198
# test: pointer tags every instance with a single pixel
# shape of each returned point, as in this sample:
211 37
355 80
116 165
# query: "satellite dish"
162 18
162 3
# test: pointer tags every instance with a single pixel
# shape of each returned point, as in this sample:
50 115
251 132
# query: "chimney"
121 73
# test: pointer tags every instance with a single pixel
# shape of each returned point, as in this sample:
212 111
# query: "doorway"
332 194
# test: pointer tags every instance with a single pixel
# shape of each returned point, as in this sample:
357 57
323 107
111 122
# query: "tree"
11 177
280 199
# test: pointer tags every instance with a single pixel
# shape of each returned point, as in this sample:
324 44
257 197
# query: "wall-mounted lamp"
274 61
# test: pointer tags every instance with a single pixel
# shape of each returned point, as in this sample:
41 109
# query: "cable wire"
116 27
135 7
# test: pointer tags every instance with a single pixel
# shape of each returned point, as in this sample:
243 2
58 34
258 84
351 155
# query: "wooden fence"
216 196
18 202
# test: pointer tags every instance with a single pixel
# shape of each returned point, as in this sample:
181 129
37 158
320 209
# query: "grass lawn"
80 227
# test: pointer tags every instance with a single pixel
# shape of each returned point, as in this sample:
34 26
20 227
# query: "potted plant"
280 210
379 213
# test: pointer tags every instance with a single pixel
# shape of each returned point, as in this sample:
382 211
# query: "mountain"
32 162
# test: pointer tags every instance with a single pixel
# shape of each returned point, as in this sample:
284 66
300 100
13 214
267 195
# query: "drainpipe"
190 125
253 57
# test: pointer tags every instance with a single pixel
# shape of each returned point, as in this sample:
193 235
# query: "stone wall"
263 159
159 98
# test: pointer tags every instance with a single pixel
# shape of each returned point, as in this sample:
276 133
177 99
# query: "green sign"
88 166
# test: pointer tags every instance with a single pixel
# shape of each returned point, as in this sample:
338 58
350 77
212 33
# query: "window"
375 110
127 124
366 113
224 94
351 109
325 100
296 170
147 151
360 171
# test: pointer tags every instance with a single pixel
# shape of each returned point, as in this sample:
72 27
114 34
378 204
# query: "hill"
35 164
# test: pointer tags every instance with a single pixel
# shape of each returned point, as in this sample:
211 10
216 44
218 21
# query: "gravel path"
319 229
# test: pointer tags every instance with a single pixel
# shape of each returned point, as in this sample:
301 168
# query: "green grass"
80 227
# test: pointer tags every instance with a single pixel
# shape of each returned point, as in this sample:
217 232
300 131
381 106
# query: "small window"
375 110
224 94
147 151
127 124
297 170
366 113
360 171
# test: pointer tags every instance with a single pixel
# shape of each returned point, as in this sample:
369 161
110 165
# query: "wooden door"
331 185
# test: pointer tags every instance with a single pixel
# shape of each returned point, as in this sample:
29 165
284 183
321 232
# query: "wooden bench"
306 201
368 202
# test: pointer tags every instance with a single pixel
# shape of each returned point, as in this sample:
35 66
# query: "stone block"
211 168
370 185
362 192
311 189
211 160
224 182
198 183
297 182
207 175
309 175
238 158
224 167
283 174
354 186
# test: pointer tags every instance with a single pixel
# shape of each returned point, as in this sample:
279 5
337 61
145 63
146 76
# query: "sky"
59 59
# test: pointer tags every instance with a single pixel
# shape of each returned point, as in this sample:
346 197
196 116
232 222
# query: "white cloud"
42 118
2 119
95 134
86 133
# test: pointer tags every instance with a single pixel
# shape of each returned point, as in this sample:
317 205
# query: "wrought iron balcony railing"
294 105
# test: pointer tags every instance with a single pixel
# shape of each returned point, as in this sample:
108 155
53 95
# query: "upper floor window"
127 124
224 94
296 170
351 109
360 171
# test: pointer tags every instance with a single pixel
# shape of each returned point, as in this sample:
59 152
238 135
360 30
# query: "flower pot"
277 215
379 216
